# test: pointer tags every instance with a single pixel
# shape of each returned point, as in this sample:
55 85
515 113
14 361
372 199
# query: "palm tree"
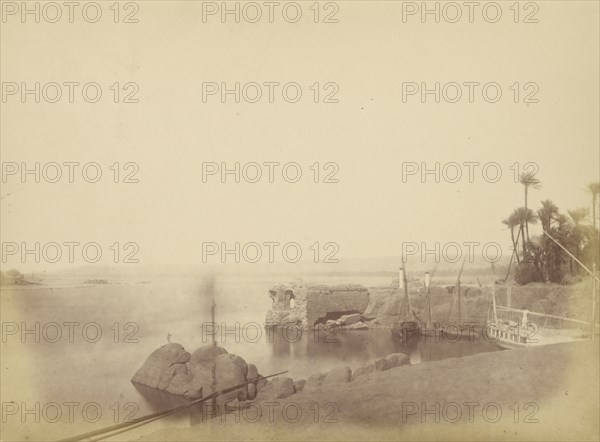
594 189
547 213
578 215
525 216
528 179
577 235
512 221
562 220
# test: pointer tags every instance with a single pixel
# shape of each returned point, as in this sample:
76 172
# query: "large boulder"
205 356
252 372
180 384
260 385
230 371
338 375
252 391
201 384
299 384
251 375
225 371
156 372
197 375
169 375
280 387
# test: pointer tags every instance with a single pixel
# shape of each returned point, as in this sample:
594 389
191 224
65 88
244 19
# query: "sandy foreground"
543 393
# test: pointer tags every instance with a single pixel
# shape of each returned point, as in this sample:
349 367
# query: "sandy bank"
548 393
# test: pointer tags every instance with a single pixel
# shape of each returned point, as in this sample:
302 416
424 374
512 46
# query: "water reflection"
357 347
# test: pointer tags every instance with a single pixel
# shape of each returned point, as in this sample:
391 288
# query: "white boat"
509 333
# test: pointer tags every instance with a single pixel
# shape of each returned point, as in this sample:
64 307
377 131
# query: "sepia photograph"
310 220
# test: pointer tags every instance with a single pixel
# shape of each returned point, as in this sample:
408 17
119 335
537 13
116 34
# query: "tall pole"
494 301
213 370
458 287
593 322
213 307
427 308
409 309
462 266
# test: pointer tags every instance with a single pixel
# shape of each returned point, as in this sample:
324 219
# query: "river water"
69 350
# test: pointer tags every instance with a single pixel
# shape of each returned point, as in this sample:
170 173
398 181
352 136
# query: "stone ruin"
311 306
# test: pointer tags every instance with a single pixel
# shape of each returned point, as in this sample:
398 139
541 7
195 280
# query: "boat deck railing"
544 321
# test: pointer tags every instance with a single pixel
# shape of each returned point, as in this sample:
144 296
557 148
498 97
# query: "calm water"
135 318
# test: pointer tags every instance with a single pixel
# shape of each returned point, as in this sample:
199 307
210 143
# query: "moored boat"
407 324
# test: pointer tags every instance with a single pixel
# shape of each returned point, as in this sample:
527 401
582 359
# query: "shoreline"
551 380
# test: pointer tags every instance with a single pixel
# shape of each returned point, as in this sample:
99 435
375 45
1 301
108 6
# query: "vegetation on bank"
12 277
539 258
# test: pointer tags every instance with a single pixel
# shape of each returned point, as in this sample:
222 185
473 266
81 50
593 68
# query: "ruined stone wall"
312 302
320 302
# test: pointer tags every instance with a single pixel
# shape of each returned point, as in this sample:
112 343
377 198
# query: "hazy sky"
369 54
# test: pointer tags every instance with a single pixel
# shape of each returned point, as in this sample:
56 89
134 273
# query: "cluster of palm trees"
541 259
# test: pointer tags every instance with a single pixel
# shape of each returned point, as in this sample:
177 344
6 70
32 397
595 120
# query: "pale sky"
369 133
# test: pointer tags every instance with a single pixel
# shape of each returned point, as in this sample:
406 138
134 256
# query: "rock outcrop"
171 368
162 366
279 387
338 375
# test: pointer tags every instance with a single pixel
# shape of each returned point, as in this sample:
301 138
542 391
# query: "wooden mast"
406 297
457 296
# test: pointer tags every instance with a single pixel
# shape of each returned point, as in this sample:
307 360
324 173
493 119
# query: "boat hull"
403 330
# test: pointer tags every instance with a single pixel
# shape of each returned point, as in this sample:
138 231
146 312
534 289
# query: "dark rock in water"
159 400
299 385
196 375
231 370
233 359
156 372
169 375
338 375
278 388
205 356
180 384
201 383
